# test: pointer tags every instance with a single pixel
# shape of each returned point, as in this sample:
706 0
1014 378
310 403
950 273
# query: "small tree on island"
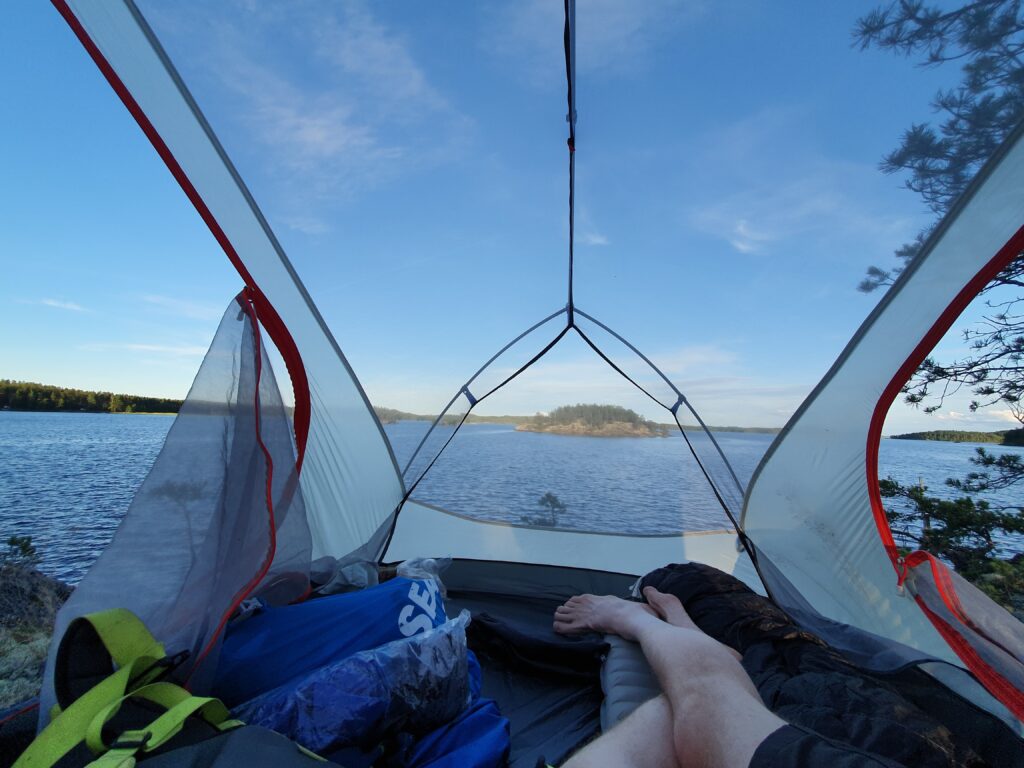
552 507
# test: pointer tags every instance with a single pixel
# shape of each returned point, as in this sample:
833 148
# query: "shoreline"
91 413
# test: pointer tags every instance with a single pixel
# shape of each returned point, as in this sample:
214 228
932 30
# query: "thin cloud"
696 358
170 350
307 225
990 416
760 200
185 350
355 111
59 304
593 238
745 239
192 310
612 35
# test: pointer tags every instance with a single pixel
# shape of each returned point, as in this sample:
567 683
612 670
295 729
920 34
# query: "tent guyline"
570 118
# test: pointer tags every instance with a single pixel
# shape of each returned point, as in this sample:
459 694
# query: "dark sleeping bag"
811 685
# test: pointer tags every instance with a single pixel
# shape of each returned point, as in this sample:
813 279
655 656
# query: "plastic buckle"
171 662
164 666
131 743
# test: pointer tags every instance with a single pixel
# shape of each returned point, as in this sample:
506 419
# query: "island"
634 424
592 420
1004 437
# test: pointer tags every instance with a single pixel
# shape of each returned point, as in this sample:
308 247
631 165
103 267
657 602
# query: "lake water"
66 479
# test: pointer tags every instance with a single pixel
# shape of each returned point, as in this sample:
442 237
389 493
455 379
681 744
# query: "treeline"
393 415
30 396
593 416
1005 437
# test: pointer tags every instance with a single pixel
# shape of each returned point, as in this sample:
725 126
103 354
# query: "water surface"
67 479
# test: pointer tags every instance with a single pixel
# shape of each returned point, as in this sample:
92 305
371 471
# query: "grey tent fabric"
349 478
219 517
986 636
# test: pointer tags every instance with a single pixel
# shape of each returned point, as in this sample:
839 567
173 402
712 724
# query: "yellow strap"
307 753
115 758
122 757
67 731
180 705
124 635
136 653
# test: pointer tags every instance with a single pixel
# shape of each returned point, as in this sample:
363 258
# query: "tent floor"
551 714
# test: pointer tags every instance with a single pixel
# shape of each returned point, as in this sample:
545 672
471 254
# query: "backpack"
115 708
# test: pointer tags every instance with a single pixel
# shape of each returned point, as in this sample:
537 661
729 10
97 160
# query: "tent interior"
278 478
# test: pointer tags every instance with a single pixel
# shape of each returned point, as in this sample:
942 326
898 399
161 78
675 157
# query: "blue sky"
411 158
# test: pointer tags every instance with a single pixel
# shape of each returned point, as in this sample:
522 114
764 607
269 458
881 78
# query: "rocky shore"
29 601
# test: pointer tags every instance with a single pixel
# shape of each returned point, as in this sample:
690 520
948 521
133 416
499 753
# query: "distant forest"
1005 437
29 396
393 415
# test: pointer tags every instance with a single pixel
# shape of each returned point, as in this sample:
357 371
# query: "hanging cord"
570 77
569 41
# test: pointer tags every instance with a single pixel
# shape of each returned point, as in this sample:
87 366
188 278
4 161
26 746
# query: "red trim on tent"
943 582
942 576
245 299
992 680
275 326
23 711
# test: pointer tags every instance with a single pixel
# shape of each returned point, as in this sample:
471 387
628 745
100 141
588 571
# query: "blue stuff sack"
281 645
412 686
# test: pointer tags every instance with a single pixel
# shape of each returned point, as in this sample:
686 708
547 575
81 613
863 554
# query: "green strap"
135 652
124 636
115 758
307 753
122 757
67 731
137 655
178 702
